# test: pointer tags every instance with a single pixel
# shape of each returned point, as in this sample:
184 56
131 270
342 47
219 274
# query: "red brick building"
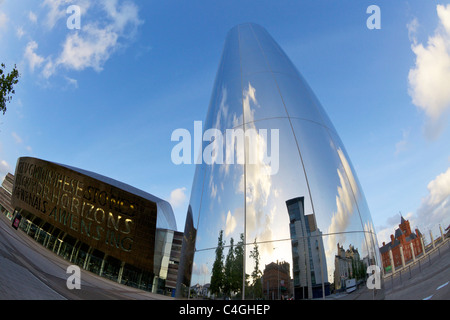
403 238
276 281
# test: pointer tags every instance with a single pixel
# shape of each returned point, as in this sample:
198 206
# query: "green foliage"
217 277
229 270
238 269
256 274
227 277
359 269
7 82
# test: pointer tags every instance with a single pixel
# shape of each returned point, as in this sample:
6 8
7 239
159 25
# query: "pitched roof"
402 220
398 233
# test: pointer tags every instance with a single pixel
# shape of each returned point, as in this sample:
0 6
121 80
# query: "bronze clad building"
98 223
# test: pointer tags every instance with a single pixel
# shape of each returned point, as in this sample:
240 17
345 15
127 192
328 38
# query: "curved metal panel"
290 221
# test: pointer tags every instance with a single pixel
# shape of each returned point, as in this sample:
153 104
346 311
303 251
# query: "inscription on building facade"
94 212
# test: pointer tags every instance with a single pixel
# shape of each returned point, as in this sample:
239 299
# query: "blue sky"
107 97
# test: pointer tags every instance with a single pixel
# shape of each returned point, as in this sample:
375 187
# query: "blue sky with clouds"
107 97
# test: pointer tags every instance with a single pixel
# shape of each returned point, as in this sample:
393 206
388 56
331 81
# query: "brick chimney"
392 238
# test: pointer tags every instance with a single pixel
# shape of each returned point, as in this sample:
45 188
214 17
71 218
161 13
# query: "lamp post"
278 281
278 278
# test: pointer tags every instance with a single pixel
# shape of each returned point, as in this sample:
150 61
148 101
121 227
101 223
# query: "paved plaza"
30 272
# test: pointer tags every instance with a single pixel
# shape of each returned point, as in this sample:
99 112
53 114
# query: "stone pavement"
30 272
430 281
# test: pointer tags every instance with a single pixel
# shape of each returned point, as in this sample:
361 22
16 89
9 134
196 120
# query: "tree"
229 270
7 81
217 277
256 274
238 270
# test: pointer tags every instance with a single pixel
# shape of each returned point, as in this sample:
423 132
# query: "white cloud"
213 190
444 15
402 145
128 12
94 44
230 224
429 79
16 137
434 210
439 188
258 181
34 60
347 191
412 29
177 197
3 23
56 11
20 32
32 17
91 49
200 270
435 207
72 82
19 141
4 167
3 20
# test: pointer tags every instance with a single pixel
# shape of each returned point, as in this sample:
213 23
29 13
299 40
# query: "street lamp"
278 281
278 278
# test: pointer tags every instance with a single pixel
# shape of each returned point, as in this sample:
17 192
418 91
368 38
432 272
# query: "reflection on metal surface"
308 254
255 232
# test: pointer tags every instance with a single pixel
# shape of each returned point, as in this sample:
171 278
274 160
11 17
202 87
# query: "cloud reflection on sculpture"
307 220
